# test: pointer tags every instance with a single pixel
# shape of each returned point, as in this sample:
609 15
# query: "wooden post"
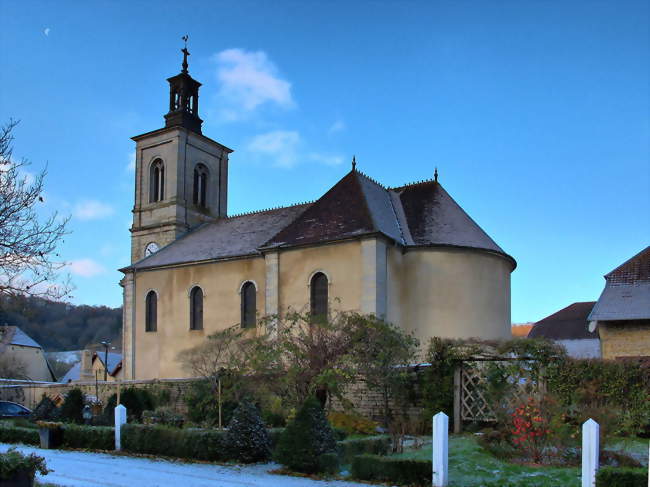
119 382
439 446
590 450
120 419
219 399
457 399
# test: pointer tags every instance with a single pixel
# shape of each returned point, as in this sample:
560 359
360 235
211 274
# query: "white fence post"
120 419
439 446
590 450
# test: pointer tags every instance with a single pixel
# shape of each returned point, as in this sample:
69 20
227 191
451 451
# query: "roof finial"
435 175
354 163
185 53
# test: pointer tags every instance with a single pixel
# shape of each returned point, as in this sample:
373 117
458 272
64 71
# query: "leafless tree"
29 264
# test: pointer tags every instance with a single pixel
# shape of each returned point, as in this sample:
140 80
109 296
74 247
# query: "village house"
409 254
622 313
92 367
569 328
21 357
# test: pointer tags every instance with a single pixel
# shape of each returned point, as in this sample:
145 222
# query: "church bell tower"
181 176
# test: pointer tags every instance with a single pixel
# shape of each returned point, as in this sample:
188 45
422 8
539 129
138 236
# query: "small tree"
28 262
382 353
307 444
247 437
72 407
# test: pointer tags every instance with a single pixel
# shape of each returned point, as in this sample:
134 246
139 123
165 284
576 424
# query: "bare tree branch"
29 264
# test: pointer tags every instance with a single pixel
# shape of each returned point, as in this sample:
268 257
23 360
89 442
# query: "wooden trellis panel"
470 402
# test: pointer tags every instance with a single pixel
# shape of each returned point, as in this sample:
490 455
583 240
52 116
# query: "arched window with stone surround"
248 305
196 308
151 312
200 192
156 181
318 295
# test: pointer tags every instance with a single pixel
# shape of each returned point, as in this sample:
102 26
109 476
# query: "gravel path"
72 469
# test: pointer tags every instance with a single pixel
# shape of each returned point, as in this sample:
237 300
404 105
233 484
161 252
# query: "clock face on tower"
151 248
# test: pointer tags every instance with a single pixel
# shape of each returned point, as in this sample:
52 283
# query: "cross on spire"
354 163
185 53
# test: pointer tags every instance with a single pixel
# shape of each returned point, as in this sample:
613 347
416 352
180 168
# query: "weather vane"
354 163
185 53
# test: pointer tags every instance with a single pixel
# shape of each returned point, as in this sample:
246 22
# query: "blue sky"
536 114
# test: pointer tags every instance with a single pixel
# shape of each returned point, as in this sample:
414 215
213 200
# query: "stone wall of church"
449 292
340 262
156 352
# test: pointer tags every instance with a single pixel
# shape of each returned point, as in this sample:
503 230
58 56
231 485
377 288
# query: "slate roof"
114 360
12 335
627 291
569 323
420 214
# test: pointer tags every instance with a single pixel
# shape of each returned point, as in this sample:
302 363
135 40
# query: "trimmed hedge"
622 477
393 470
376 445
88 437
191 443
14 434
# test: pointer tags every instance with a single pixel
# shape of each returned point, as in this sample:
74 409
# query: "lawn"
471 466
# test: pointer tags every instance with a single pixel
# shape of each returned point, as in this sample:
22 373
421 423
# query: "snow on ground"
80 469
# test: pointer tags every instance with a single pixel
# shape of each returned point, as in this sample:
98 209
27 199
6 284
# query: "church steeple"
184 98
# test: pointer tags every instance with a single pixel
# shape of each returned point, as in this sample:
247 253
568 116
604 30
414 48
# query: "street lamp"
106 345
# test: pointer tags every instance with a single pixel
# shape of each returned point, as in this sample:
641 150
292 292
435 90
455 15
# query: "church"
408 254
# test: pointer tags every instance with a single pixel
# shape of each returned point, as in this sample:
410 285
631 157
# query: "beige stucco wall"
29 361
156 352
449 292
445 292
624 339
341 263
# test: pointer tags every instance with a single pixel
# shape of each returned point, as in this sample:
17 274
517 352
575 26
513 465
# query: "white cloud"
130 167
92 210
337 126
46 31
327 159
86 268
248 80
284 148
281 146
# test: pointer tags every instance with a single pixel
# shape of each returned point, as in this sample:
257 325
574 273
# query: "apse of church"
409 254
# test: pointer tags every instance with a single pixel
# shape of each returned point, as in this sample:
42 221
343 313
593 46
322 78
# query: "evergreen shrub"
88 437
393 470
305 439
188 443
622 477
45 410
247 438
376 445
14 434
16 466
72 407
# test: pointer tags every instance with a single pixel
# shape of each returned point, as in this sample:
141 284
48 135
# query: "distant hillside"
61 326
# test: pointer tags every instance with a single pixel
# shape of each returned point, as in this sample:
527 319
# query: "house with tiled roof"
21 357
622 313
409 254
95 365
569 327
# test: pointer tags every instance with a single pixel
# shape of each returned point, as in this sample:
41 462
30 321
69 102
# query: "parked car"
13 410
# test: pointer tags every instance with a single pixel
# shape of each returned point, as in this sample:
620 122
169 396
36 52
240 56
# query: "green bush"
72 407
14 463
88 437
247 438
393 470
190 443
13 434
45 410
202 405
306 438
274 436
376 445
328 463
622 477
163 415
